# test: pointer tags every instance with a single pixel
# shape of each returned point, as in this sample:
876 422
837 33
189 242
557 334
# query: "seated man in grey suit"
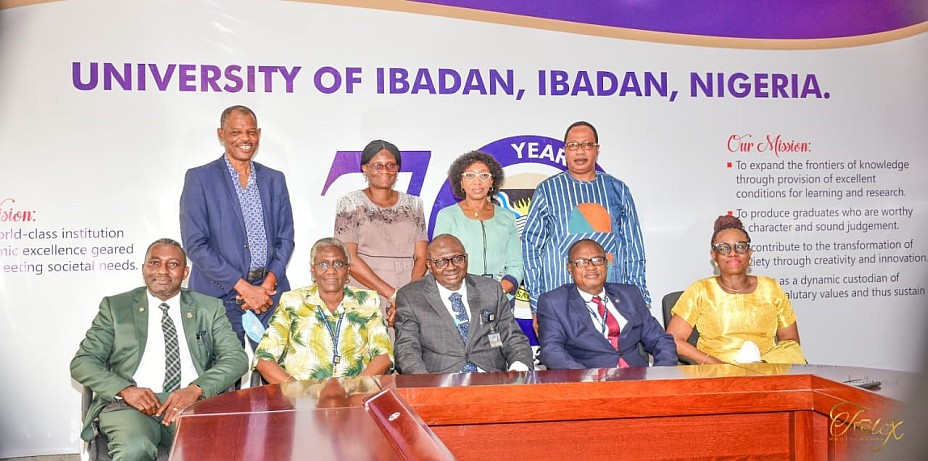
450 321
594 324
143 345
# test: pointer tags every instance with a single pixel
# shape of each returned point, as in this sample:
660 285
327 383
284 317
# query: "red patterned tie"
612 323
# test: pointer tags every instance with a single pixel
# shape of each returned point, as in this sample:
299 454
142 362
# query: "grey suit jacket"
111 351
427 340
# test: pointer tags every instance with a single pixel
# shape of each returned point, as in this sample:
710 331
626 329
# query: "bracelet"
704 359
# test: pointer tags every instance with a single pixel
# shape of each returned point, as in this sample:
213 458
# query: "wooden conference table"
761 411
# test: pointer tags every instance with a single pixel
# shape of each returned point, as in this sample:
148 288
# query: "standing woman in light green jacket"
488 231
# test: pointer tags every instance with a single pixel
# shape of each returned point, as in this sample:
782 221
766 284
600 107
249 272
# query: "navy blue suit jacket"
569 339
213 228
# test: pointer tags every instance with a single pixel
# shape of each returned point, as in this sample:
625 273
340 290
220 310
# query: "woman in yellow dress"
740 317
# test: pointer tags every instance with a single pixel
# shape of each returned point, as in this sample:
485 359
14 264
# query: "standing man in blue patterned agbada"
237 224
581 203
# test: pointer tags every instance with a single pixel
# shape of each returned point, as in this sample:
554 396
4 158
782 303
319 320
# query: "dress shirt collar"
446 293
173 302
234 173
588 297
610 306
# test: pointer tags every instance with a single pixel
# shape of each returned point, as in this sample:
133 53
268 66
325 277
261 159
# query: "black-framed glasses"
580 263
585 145
325 265
457 260
389 166
470 176
724 249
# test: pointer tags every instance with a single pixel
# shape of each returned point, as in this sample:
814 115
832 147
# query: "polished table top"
351 392
334 422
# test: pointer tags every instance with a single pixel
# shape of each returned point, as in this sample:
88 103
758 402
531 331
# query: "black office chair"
667 303
97 449
257 379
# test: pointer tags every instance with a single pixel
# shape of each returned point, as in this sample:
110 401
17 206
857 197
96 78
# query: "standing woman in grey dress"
384 229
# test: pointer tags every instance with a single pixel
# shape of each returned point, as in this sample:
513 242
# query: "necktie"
611 321
460 315
171 352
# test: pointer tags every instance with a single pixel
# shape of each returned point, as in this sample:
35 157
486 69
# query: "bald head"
447 261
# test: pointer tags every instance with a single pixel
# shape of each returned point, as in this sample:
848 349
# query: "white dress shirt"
594 311
150 373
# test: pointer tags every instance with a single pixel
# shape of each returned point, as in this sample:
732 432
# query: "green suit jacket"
111 351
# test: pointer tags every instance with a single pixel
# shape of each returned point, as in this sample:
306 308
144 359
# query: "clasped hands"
145 401
256 297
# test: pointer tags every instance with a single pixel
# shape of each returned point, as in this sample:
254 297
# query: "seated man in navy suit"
594 324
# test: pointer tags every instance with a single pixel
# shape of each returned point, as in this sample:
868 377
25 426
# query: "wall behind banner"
105 105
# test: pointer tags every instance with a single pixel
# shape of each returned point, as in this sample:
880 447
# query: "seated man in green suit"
136 360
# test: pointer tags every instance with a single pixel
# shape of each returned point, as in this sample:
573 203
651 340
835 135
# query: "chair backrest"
256 379
670 299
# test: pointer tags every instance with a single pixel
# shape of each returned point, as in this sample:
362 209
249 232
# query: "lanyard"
333 334
602 320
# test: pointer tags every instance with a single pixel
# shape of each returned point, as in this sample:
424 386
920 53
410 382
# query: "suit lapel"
474 302
623 308
578 308
224 178
264 189
140 310
189 320
433 301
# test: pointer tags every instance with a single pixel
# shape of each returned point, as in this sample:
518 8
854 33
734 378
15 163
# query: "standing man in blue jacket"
236 223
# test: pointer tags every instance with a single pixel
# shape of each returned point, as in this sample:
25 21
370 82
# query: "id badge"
495 341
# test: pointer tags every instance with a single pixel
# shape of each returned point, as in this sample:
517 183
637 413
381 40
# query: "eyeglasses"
378 167
325 265
580 263
586 145
724 249
441 263
470 176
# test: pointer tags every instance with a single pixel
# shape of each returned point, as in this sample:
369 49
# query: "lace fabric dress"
386 237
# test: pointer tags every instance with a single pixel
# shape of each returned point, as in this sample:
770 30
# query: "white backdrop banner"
808 121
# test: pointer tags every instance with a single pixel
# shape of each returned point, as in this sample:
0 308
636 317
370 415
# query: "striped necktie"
613 326
611 322
171 351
